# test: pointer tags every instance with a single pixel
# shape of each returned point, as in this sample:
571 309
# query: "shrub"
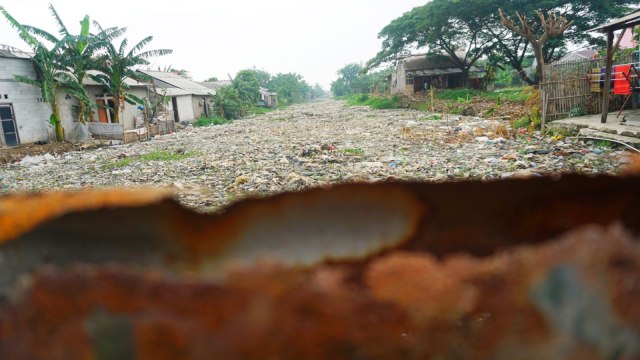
204 121
373 102
522 123
163 155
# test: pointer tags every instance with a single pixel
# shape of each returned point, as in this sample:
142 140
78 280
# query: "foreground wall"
549 268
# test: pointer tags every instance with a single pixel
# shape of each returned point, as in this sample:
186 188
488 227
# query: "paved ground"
313 145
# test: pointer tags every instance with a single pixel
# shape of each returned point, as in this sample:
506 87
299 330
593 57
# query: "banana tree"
78 54
117 65
50 73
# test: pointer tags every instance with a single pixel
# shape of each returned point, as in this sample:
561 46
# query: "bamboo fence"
568 86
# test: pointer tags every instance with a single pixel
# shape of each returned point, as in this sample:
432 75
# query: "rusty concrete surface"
543 268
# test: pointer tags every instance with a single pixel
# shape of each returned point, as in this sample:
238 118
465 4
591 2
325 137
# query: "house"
415 73
189 99
24 114
102 124
583 54
267 98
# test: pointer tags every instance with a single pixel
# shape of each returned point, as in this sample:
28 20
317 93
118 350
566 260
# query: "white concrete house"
23 112
189 99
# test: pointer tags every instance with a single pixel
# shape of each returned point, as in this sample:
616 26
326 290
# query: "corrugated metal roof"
442 71
215 85
7 51
128 81
435 63
620 23
190 86
173 92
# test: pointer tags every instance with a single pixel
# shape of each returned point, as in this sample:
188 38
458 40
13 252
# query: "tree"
291 88
474 27
227 103
248 89
212 79
550 25
318 92
117 65
352 79
441 27
77 53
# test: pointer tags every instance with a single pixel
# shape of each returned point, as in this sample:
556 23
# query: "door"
174 103
102 111
9 129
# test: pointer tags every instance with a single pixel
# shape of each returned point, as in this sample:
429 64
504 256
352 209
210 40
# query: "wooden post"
607 77
545 100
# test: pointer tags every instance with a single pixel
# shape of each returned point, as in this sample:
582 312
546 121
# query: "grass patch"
119 164
261 110
353 151
432 117
522 123
204 121
465 95
373 102
162 155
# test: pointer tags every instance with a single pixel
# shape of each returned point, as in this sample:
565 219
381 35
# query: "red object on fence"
622 85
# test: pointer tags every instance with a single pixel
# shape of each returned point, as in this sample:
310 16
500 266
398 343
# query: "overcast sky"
216 38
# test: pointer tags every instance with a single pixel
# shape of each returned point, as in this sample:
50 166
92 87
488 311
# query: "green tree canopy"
472 29
353 80
291 88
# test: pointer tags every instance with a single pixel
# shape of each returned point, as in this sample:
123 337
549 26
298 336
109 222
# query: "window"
409 79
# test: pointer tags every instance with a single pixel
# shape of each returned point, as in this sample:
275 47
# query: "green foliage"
522 123
373 102
248 90
318 92
119 164
227 103
353 80
432 117
291 88
240 98
116 64
212 79
445 26
466 95
163 155
204 121
576 112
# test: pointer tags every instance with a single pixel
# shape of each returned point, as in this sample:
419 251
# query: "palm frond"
123 46
97 24
132 99
26 80
41 33
111 33
22 31
62 28
139 46
154 53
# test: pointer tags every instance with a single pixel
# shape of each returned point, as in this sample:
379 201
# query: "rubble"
314 144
